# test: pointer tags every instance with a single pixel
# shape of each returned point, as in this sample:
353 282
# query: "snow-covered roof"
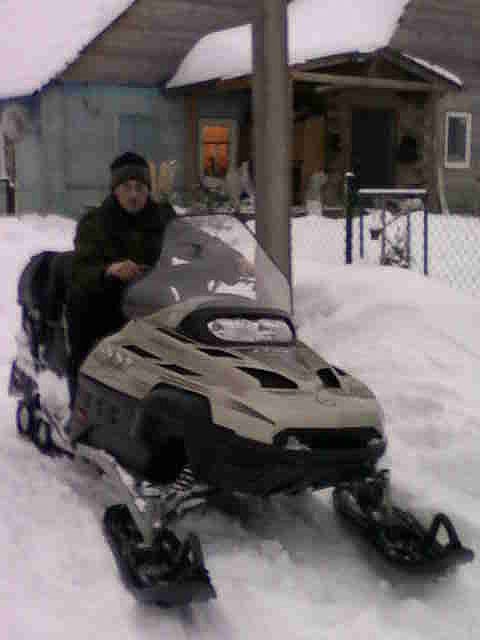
40 39
435 68
317 28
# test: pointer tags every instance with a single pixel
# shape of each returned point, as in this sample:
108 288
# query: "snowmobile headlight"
251 330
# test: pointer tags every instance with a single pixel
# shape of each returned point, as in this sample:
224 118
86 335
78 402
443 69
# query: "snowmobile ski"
167 573
397 534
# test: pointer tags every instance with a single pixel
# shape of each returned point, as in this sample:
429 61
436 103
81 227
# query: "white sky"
288 570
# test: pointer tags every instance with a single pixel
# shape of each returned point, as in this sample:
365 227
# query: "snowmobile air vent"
138 351
180 370
329 379
218 353
269 379
176 336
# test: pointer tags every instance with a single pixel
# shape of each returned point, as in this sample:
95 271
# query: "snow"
53 32
437 69
56 32
285 568
316 29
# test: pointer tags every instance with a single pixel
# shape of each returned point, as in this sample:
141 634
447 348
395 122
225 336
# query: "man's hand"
125 270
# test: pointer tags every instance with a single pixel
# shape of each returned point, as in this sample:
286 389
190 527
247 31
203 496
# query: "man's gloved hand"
125 270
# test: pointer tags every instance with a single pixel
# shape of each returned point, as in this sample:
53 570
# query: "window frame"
459 164
232 126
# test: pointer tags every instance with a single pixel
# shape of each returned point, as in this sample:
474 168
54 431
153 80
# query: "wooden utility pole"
272 111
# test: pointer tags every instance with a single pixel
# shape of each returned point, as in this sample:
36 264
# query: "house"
90 87
447 34
374 113
391 96
389 92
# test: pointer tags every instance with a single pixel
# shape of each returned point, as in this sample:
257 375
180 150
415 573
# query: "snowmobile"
206 392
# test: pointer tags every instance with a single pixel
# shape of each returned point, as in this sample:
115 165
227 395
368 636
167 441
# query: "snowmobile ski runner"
205 392
167 572
397 534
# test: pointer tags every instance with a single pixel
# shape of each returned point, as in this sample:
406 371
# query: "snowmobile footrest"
168 573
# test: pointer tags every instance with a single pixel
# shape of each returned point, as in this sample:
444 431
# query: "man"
114 244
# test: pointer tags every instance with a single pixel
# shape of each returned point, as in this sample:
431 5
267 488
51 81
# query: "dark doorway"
372 147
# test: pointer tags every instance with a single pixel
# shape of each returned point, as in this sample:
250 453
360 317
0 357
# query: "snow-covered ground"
285 569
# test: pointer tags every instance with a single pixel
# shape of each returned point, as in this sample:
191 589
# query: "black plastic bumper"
222 458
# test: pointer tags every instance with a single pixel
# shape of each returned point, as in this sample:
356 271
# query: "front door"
373 148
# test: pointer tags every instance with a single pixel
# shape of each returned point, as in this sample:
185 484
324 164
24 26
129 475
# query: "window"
458 139
218 147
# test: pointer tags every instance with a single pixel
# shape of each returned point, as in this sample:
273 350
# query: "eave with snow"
151 74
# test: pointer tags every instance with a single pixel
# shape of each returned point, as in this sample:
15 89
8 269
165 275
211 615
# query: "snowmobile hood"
256 390
212 319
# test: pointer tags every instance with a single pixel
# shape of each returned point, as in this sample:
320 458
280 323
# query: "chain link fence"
401 232
454 250
440 246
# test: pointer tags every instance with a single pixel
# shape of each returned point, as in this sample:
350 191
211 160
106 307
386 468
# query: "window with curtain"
218 147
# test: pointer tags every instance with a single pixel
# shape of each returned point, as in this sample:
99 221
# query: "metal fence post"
362 234
409 238
383 217
425 239
349 201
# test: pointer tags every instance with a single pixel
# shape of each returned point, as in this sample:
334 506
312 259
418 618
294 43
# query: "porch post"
272 111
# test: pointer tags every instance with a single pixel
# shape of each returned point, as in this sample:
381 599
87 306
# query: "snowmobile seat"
31 292
42 294
58 285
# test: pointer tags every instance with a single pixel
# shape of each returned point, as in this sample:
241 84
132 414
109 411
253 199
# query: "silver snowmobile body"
207 388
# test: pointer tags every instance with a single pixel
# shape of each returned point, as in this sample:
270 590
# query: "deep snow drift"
284 568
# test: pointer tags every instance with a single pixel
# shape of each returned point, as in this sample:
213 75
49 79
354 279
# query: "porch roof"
328 74
316 30
321 35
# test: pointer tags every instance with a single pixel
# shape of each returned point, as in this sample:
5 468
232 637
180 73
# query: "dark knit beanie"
130 166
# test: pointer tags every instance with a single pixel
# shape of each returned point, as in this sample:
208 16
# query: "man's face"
132 195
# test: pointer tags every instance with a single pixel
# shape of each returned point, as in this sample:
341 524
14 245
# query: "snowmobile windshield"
214 256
